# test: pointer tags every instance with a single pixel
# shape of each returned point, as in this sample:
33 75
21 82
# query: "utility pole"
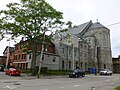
73 57
8 54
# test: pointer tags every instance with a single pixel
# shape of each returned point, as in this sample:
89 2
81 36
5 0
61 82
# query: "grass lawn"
117 88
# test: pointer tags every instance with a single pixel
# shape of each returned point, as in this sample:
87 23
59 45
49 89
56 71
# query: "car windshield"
12 69
105 70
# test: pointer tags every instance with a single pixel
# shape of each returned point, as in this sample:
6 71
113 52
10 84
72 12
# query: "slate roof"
81 28
96 25
78 29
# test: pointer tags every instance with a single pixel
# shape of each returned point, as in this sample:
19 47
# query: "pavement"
109 86
28 76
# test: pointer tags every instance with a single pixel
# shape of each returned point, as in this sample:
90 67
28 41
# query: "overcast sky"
80 11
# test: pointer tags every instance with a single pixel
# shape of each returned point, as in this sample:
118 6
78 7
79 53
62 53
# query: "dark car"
77 73
1 67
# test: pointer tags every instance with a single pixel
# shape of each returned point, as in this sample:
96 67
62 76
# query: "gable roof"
79 28
96 25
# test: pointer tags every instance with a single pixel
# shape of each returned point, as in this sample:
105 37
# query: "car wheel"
83 75
10 74
76 75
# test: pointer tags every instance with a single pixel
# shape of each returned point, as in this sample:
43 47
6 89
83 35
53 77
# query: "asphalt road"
59 82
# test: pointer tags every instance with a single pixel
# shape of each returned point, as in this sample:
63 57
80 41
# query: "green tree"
31 19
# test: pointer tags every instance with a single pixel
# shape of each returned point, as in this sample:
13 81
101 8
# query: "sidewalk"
28 76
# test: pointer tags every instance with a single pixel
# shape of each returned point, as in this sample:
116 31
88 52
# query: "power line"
114 24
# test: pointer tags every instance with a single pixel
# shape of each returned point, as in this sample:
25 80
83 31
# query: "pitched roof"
81 29
96 25
78 29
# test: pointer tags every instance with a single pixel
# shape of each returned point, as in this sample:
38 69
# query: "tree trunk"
33 63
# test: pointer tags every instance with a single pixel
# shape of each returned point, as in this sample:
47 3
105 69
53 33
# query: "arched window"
63 64
104 66
69 64
76 65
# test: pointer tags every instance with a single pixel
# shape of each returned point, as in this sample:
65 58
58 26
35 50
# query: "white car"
106 72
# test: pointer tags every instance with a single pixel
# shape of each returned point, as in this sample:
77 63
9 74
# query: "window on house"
76 65
24 56
54 59
16 57
69 51
62 64
81 45
75 52
104 66
19 56
62 50
29 56
43 57
69 64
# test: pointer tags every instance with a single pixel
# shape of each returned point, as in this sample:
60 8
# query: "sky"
80 11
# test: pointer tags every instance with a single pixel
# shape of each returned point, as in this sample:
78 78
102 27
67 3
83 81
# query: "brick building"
9 54
23 55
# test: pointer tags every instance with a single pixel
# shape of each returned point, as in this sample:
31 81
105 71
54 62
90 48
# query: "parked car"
13 71
77 73
1 67
106 72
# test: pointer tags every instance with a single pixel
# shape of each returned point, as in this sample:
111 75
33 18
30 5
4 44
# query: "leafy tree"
31 19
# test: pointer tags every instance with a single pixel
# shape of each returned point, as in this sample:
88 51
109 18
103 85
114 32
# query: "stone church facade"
85 46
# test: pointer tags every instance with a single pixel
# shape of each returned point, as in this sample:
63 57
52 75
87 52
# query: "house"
116 64
9 54
23 55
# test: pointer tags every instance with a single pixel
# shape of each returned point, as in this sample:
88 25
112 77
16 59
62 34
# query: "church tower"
102 49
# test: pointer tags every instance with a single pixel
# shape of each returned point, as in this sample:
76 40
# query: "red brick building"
22 49
9 54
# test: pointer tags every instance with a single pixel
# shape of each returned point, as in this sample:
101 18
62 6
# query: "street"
89 82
